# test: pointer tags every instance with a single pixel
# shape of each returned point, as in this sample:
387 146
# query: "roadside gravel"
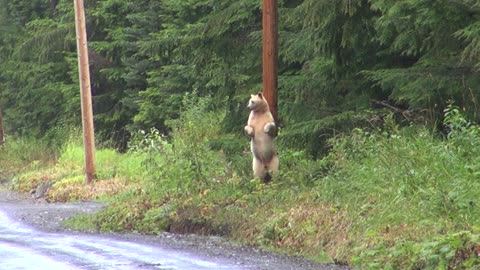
49 217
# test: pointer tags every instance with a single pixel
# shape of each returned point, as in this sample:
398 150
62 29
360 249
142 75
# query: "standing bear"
262 130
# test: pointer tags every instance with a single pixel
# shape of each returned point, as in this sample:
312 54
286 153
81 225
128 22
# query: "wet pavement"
22 247
32 237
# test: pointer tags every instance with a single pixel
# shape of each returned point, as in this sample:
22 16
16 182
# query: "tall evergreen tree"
337 58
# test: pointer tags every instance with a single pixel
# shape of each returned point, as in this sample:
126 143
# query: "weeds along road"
31 237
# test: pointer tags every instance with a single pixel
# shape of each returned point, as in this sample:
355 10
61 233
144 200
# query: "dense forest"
379 123
341 63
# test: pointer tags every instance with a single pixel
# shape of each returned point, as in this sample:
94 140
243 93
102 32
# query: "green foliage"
80 222
421 44
185 160
18 154
314 134
471 53
408 185
335 58
126 213
392 197
109 163
406 170
177 168
452 251
342 64
459 127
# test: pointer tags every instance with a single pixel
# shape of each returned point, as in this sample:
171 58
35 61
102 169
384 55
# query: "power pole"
2 135
270 55
1 127
85 91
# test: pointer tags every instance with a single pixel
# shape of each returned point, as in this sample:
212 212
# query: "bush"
404 184
452 251
177 168
184 161
404 172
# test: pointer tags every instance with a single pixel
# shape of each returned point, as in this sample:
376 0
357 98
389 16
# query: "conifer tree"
340 62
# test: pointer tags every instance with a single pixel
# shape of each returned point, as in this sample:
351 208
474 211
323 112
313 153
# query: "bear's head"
258 103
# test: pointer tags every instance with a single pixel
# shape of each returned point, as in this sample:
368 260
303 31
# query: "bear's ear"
260 94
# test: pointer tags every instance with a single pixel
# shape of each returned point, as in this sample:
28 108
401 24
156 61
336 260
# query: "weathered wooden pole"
1 127
85 91
2 134
270 55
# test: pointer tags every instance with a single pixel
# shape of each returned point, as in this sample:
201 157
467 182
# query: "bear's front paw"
270 129
249 131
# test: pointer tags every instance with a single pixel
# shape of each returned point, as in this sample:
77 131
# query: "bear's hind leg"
272 166
260 170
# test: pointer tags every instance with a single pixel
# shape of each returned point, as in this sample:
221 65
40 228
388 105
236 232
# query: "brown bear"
262 130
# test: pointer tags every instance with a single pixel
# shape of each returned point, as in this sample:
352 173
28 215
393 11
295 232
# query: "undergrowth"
392 198
21 154
32 163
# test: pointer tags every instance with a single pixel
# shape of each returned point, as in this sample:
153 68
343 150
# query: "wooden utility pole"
85 91
2 135
1 127
270 55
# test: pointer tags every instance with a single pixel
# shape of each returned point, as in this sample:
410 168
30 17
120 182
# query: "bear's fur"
262 130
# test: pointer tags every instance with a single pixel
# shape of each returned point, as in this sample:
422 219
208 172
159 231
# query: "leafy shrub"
404 171
404 185
177 168
237 152
125 212
452 251
184 160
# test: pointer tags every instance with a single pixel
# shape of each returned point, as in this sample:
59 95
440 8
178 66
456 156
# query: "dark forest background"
343 63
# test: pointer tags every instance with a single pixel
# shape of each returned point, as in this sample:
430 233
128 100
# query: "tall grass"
410 176
108 162
407 176
409 187
19 154
59 164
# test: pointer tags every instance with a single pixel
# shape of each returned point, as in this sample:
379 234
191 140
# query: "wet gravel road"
26 248
31 237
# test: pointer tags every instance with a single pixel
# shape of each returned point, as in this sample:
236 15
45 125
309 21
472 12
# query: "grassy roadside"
389 199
